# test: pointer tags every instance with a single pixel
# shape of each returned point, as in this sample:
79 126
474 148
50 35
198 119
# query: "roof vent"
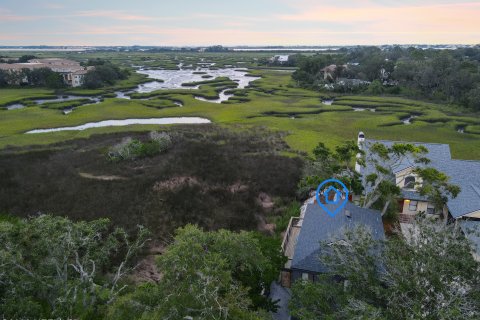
348 214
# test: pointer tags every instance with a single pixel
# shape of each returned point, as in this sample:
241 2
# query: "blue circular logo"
337 199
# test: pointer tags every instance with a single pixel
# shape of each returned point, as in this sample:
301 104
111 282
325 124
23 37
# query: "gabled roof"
318 227
437 153
465 174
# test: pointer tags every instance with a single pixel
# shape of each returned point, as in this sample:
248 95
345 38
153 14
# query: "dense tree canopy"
327 164
104 74
53 267
205 275
451 76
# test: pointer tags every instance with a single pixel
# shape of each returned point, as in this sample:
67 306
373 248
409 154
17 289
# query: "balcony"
290 238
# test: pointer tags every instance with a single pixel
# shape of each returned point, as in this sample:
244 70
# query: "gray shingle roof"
471 229
413 195
318 226
465 174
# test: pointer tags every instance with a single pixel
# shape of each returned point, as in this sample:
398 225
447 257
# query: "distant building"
18 67
280 59
72 72
329 72
303 238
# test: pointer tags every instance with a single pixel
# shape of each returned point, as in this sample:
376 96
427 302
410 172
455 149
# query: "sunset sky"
241 22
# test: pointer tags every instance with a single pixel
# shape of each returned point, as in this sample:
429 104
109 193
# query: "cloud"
53 6
304 22
449 21
115 15
437 14
7 15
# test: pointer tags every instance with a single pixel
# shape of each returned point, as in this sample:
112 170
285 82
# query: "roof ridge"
474 187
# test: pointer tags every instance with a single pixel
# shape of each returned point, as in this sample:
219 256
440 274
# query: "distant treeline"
22 59
452 76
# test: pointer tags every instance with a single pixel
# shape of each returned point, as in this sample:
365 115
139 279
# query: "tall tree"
382 186
430 274
385 161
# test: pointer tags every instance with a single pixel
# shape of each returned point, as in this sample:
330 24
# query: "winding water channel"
125 122
165 79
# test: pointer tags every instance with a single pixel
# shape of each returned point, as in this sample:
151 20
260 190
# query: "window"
305 276
413 206
431 209
409 182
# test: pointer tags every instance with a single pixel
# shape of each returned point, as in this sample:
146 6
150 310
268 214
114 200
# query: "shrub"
163 139
131 149
125 150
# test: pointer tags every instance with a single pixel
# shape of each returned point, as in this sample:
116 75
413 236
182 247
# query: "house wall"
475 214
77 80
297 275
421 206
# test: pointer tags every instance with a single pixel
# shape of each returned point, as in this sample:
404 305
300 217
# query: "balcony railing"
290 237
406 218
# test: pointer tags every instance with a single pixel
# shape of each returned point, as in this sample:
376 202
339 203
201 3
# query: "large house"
305 234
72 72
464 209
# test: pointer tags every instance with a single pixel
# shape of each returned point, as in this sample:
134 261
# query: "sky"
240 22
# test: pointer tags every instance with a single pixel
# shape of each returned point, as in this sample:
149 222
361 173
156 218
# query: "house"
329 72
464 209
18 67
280 59
304 235
72 72
76 78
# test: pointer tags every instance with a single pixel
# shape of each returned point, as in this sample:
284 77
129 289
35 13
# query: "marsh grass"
77 180
268 102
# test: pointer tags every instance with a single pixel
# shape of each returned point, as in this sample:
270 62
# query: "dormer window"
409 182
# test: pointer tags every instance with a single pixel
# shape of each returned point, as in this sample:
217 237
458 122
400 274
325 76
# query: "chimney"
360 142
361 138
348 214
322 198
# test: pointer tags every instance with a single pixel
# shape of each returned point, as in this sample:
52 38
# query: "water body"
173 79
284 49
222 96
408 120
61 99
123 94
126 122
364 109
15 106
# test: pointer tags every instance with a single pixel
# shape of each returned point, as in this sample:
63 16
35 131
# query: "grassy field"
271 102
